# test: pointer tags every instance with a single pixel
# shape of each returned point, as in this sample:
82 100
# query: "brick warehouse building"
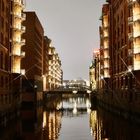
119 60
32 81
33 62
11 29
5 66
124 45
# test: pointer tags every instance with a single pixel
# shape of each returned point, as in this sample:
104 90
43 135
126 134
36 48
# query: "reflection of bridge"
72 105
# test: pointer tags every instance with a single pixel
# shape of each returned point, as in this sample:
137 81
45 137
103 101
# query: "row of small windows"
3 5
3 61
4 82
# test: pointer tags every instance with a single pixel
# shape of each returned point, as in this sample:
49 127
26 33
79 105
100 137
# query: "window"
2 6
2 81
2 39
2 22
1 60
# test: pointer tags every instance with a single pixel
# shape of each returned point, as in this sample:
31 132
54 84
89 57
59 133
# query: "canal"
69 117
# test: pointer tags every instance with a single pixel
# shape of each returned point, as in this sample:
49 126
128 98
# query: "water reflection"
68 117
106 126
51 125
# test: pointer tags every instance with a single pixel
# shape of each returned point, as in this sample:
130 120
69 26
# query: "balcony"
106 66
137 50
106 57
22 54
23 16
22 42
106 74
17 16
19 3
16 29
136 65
15 42
23 29
136 35
105 27
136 17
17 56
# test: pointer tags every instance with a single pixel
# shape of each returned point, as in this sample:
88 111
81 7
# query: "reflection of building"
104 125
95 127
31 121
55 73
51 125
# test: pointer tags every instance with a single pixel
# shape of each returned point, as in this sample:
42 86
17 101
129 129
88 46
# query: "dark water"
69 118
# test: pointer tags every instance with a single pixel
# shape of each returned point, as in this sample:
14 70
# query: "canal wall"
119 106
9 108
7 116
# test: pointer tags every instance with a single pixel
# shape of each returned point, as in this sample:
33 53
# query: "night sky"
73 26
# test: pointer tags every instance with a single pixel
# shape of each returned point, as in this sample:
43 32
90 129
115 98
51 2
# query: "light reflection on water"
69 118
70 122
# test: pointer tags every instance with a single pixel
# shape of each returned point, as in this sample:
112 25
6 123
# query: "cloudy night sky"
73 27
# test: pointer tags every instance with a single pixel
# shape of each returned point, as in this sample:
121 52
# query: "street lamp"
129 68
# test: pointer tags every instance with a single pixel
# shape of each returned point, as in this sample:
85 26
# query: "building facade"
46 44
119 58
104 47
11 30
33 60
55 74
5 48
124 45
92 79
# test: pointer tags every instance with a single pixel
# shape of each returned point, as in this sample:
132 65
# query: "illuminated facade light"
22 71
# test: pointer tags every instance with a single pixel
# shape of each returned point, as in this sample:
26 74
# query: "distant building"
46 44
55 73
92 79
76 83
